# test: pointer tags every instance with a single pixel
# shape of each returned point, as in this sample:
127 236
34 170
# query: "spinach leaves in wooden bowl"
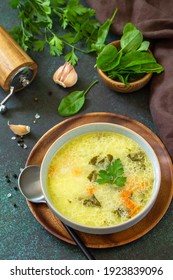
127 65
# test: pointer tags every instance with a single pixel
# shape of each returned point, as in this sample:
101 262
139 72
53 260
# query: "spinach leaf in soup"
92 201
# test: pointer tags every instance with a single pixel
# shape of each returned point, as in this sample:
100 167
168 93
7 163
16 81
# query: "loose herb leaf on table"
60 24
73 102
112 174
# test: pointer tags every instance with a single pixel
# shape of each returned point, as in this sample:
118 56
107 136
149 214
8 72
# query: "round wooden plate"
53 225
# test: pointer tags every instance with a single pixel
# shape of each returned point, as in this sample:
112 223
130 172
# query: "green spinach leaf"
131 41
128 27
102 33
109 58
146 68
135 58
144 46
73 102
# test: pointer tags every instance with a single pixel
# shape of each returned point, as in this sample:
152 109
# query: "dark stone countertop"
22 237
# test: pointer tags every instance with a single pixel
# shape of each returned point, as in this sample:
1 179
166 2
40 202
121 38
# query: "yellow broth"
72 174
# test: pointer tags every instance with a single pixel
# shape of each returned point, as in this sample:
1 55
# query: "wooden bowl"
120 87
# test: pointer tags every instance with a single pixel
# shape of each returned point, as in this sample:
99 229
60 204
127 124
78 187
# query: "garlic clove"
19 129
65 75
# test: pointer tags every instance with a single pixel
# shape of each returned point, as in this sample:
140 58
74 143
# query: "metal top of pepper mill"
20 80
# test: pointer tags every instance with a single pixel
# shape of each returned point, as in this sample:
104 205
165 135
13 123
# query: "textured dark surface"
22 237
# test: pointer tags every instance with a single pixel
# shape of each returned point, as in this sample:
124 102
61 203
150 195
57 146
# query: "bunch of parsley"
60 24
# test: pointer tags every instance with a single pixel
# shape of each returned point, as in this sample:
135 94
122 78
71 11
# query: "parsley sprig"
61 25
112 174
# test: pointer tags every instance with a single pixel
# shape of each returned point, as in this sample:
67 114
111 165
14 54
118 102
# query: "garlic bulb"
65 75
19 129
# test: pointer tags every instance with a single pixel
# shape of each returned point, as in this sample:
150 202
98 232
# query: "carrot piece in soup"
91 190
126 193
129 203
134 211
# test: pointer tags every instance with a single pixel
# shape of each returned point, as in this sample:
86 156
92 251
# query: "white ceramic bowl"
93 127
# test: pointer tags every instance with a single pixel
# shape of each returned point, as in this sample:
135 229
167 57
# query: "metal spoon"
29 185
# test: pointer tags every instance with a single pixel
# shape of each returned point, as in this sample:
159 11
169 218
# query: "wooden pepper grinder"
17 69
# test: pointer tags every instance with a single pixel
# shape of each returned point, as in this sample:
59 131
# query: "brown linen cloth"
155 19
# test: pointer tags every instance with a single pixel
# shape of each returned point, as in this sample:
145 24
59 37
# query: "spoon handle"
79 242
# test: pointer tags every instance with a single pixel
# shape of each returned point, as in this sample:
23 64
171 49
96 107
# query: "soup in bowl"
100 178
